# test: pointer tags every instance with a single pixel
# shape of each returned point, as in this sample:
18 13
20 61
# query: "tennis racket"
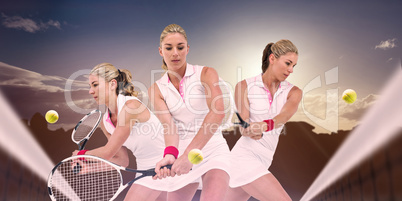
97 179
229 107
85 128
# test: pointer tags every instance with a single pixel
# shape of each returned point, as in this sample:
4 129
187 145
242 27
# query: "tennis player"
128 123
267 101
189 104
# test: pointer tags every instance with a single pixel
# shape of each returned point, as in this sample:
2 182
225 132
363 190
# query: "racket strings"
86 126
93 181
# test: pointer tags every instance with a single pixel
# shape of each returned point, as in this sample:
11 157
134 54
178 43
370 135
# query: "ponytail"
265 57
125 86
123 78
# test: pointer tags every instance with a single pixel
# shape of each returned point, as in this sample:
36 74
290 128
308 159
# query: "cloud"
317 105
388 44
31 92
14 76
349 115
355 111
26 24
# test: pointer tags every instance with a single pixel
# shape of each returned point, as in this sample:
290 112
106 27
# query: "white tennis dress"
145 141
188 108
252 158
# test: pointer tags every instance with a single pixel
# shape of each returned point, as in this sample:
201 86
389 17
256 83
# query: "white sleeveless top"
146 139
264 106
251 158
187 106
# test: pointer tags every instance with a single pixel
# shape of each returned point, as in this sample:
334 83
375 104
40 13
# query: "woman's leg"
141 193
162 196
237 194
215 184
266 188
183 194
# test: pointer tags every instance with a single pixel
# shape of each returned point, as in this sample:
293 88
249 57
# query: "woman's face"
99 89
174 49
283 66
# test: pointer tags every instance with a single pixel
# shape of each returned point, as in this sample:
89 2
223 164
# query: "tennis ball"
51 116
349 96
195 156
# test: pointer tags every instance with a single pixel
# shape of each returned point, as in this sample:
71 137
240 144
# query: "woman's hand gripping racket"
229 107
85 128
98 179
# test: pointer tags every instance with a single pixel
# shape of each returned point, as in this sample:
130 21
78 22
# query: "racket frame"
81 144
144 173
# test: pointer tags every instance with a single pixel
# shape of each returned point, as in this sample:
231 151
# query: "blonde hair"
171 28
123 78
278 49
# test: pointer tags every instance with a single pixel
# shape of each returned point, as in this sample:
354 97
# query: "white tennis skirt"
250 159
216 156
158 184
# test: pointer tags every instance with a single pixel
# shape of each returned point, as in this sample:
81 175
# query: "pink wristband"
171 150
270 124
82 152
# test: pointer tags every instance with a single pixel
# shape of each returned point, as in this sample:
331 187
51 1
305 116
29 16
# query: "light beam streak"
380 125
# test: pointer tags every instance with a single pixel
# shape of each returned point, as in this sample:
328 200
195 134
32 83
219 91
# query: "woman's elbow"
122 161
219 115
125 163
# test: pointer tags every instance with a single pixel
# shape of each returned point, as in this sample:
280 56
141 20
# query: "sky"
342 45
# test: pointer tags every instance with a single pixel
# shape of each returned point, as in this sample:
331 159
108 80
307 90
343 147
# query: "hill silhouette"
300 156
58 143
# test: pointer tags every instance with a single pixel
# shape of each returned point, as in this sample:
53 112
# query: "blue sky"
59 38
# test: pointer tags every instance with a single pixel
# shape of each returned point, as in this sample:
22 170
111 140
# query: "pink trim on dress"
109 120
268 93
181 89
269 96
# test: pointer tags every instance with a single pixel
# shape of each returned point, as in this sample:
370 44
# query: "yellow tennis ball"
349 96
51 116
195 156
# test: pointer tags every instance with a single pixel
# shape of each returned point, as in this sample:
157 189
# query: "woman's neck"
112 104
269 80
177 74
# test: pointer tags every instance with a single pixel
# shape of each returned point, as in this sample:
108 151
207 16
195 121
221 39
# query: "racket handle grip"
167 166
243 124
83 144
153 173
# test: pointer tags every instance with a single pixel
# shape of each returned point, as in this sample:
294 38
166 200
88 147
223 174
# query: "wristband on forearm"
82 152
171 150
270 124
